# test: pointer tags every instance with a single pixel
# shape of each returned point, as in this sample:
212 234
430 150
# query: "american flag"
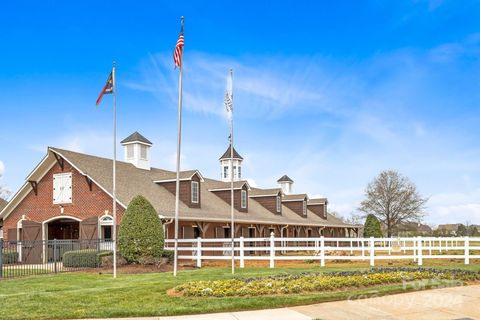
177 53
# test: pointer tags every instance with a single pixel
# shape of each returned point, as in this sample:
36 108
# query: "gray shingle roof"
226 155
285 178
256 192
136 137
294 197
317 201
132 181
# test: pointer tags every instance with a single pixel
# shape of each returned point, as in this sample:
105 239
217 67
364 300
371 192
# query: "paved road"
459 303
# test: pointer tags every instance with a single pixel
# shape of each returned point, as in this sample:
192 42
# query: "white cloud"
2 168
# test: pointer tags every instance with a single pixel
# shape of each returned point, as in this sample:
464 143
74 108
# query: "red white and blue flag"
178 52
107 89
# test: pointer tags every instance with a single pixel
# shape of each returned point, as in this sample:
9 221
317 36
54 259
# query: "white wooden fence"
322 249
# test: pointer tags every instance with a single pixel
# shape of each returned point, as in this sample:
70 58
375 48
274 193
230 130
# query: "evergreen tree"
141 232
372 227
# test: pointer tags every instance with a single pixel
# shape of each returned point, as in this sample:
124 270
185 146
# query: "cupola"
226 161
137 150
286 184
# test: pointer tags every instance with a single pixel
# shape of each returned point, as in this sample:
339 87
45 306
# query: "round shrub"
140 236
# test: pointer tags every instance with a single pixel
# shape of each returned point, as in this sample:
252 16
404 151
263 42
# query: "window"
62 188
143 152
130 151
225 172
244 199
279 204
239 172
195 191
234 171
304 208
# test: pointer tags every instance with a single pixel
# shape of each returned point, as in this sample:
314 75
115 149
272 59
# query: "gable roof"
285 178
160 175
226 155
136 137
216 185
256 192
317 201
295 197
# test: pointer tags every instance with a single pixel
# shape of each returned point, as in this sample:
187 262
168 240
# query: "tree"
4 191
393 199
462 231
372 227
141 232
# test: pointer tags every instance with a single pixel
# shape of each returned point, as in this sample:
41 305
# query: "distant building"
413 229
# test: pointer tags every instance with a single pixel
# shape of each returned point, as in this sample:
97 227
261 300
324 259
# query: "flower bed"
310 282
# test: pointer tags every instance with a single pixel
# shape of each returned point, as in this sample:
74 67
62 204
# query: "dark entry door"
32 245
89 233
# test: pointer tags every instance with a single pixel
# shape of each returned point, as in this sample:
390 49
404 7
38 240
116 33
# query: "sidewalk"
447 303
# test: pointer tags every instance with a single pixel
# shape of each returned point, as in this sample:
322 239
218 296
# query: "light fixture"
61 209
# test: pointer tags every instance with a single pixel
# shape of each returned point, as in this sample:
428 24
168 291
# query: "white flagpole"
177 187
232 222
114 209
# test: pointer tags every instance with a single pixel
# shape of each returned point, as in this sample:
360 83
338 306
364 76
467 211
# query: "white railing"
322 249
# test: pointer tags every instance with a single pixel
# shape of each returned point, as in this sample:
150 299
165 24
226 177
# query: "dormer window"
244 199
194 192
279 204
304 208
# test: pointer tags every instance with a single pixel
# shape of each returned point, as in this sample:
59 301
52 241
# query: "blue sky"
330 93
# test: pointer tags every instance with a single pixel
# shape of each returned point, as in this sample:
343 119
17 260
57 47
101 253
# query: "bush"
9 257
87 258
372 227
140 237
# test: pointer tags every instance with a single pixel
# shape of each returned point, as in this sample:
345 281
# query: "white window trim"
198 191
243 199
279 204
61 175
304 208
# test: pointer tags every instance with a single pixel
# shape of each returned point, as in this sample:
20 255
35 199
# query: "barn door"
32 244
89 233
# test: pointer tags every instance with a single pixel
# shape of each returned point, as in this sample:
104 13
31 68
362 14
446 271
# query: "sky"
329 92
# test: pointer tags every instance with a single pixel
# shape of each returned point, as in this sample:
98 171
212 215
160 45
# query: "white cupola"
226 161
286 184
137 150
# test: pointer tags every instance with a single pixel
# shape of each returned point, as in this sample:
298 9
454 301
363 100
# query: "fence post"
199 252
372 252
363 248
272 250
430 247
419 251
54 255
322 251
1 262
467 250
351 247
414 246
242 253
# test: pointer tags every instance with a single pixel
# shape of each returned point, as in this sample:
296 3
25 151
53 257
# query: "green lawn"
80 295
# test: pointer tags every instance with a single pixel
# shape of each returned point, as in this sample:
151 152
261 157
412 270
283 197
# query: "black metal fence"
24 258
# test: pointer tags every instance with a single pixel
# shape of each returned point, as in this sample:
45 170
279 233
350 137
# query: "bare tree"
393 199
4 191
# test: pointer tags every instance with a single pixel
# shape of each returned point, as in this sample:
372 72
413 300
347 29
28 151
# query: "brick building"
68 195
